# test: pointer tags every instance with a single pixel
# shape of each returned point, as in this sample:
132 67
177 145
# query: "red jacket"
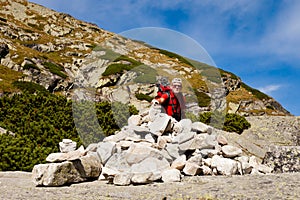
173 104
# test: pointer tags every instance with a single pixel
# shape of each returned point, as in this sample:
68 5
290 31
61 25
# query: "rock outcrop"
283 158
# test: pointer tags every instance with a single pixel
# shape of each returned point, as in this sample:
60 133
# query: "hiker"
171 99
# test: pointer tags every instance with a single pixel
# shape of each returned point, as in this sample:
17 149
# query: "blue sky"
258 40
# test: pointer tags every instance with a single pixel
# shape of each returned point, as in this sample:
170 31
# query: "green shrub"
96 121
109 54
31 66
55 69
235 123
119 68
116 68
212 74
231 122
141 97
40 121
145 74
30 87
258 94
174 55
202 98
224 73
126 58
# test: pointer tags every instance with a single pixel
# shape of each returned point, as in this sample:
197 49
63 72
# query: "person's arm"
160 100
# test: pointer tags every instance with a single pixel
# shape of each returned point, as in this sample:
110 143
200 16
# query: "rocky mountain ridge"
61 53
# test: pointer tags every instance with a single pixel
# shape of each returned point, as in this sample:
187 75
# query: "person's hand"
154 102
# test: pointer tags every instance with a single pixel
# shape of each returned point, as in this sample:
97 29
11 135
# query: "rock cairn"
152 147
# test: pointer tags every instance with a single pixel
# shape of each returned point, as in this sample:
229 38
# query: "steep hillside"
62 54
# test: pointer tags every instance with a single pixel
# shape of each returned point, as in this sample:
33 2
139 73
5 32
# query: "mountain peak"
43 47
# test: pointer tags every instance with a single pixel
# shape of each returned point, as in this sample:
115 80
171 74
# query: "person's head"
176 85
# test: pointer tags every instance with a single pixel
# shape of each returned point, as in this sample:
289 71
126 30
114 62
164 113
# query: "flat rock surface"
19 185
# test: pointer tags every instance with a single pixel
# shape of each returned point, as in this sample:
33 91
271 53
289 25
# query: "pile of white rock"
152 147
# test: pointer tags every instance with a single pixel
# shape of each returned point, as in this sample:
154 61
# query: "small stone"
108 172
231 151
207 162
197 159
179 163
67 145
191 169
122 179
201 127
141 178
134 120
171 175
72 155
206 170
161 142
222 140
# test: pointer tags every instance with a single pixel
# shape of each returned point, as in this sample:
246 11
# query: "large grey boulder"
160 124
149 170
56 174
184 140
231 151
67 172
186 125
173 150
224 166
138 152
203 141
201 127
118 162
105 150
89 166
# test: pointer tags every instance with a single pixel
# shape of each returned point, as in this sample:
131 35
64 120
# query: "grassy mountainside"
49 48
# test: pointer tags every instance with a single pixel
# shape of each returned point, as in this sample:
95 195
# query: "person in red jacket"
172 100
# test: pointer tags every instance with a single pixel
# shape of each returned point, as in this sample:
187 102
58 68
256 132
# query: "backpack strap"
172 103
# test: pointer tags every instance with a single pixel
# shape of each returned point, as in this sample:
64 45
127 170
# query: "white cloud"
270 88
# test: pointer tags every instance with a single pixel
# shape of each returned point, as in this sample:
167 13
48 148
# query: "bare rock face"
283 158
4 50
